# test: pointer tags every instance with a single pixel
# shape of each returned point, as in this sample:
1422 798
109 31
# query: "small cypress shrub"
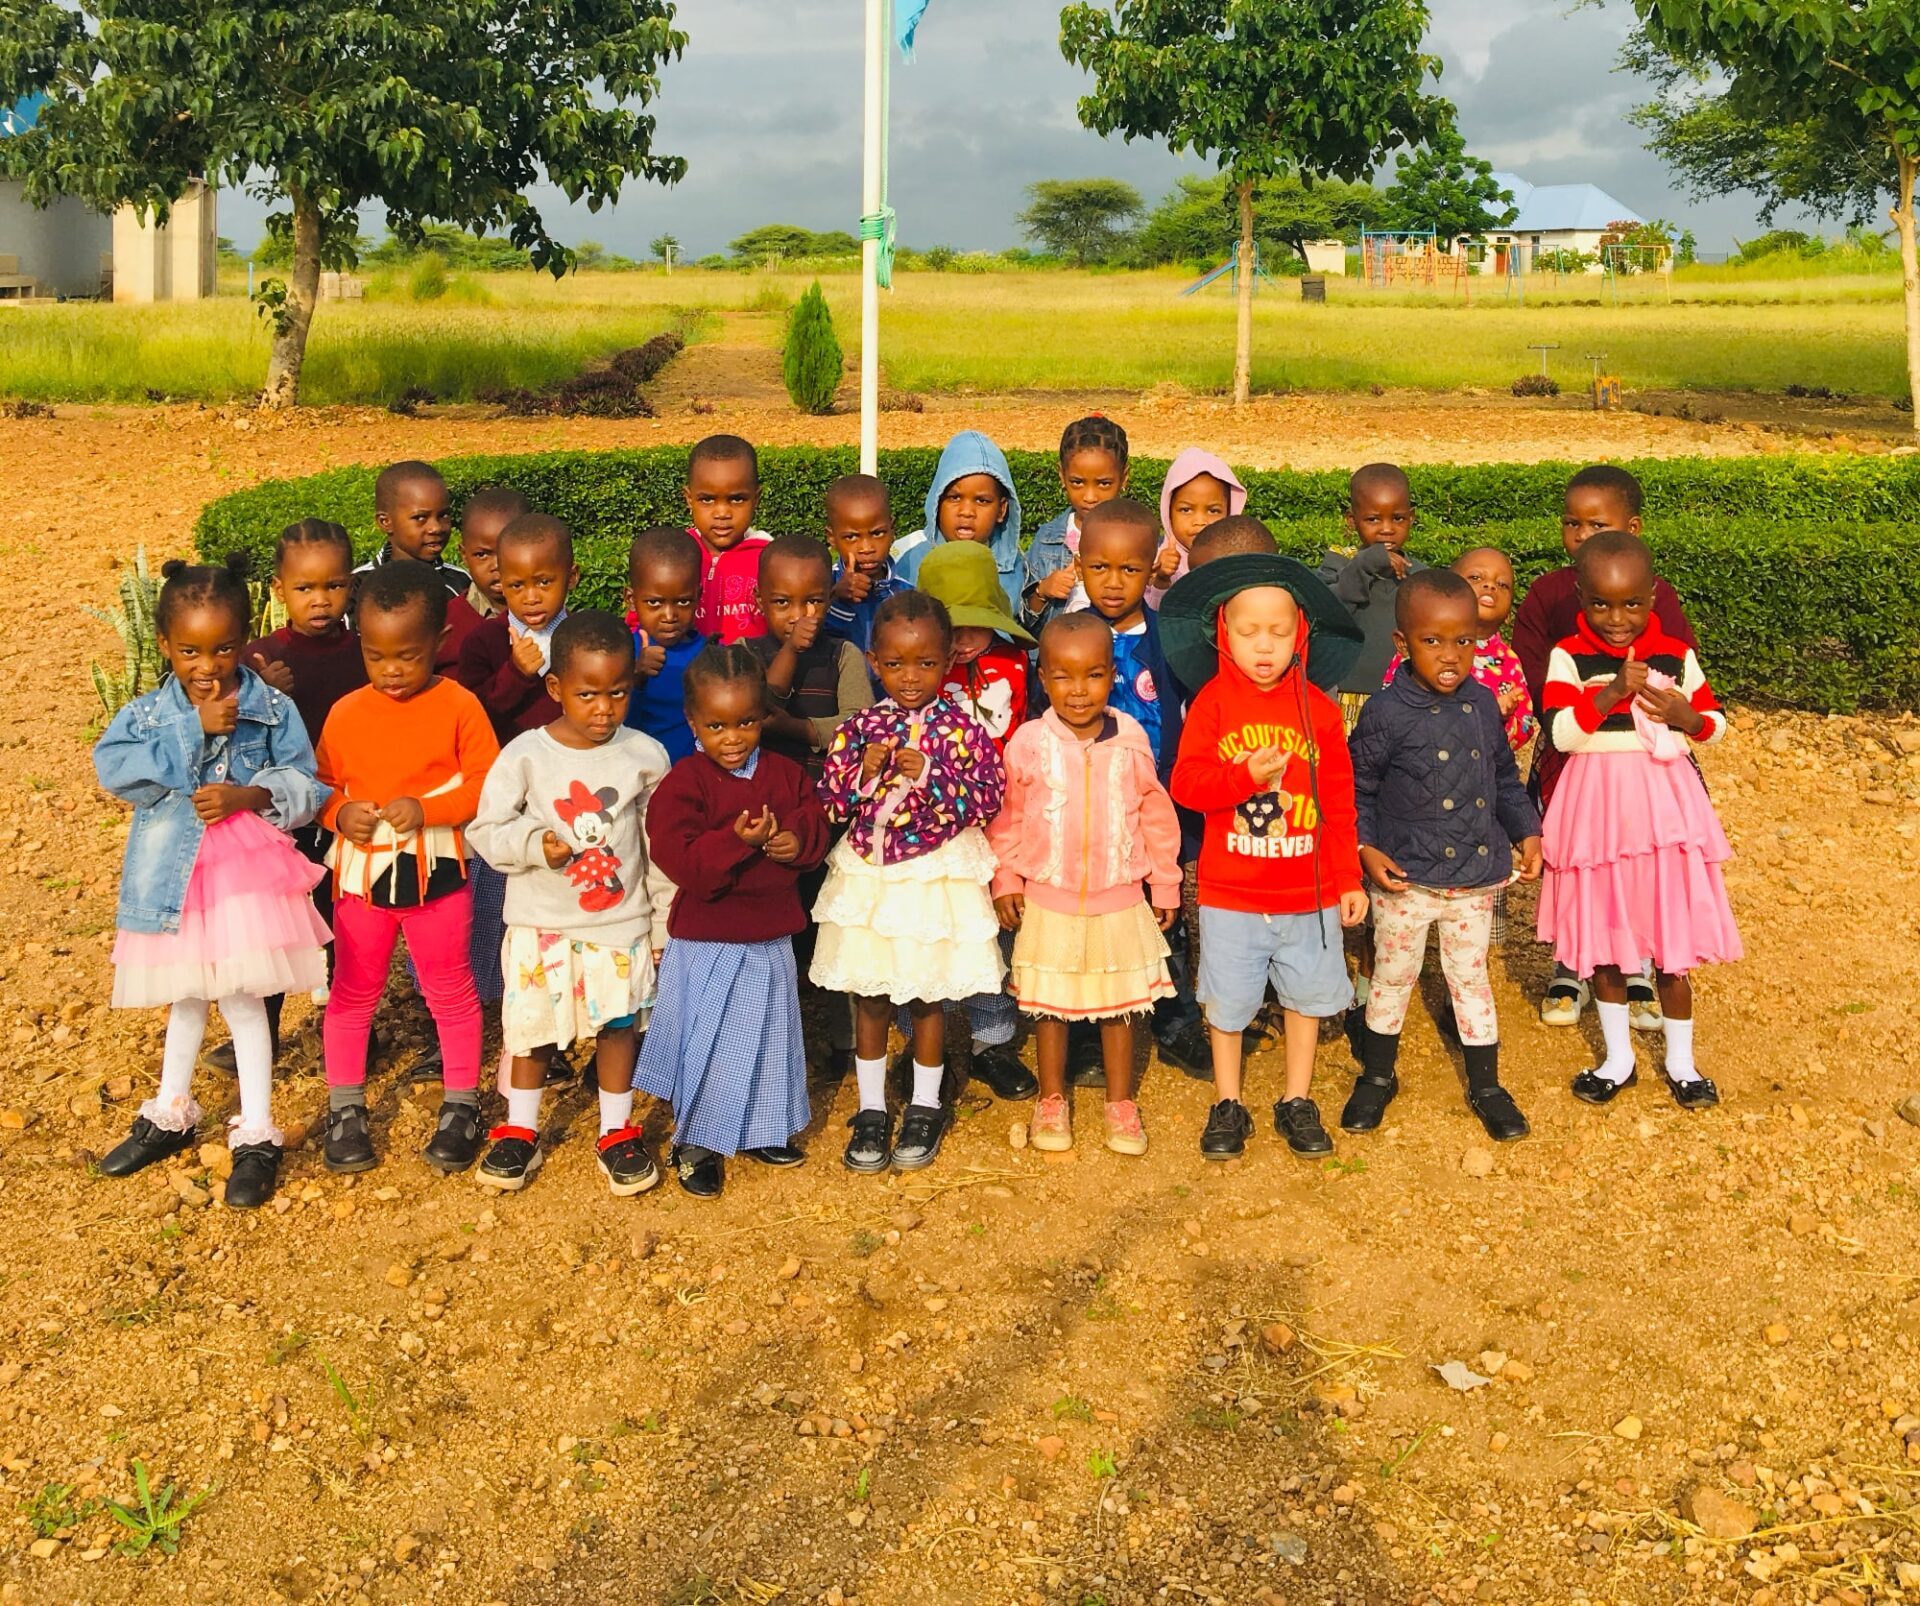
812 364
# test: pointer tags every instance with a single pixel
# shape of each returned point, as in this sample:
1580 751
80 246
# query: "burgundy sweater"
726 890
325 669
513 701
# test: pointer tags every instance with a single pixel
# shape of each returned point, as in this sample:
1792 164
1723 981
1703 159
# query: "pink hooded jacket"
1085 823
1191 464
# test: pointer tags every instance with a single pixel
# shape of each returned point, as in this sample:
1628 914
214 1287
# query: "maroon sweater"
513 701
325 669
728 891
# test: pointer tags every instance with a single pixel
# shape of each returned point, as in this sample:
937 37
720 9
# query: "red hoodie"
728 609
1269 852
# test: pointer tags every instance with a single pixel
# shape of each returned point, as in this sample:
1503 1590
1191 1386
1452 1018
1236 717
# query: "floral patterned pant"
1400 924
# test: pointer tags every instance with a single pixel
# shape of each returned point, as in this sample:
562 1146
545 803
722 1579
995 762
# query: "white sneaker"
320 995
1643 1006
1564 1003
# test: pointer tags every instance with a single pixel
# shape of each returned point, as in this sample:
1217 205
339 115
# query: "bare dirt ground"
1012 1379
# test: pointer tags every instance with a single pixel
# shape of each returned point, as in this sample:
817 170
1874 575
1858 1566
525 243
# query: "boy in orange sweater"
1263 756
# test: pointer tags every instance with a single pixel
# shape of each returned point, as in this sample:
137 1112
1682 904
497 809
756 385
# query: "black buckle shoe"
698 1171
1086 1060
455 1143
349 1145
256 1168
1298 1121
1367 1105
143 1146
513 1160
1499 1114
1699 1094
779 1155
870 1148
1189 1051
923 1128
1228 1128
1590 1087
1000 1069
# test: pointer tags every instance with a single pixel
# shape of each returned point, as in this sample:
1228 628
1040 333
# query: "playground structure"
1411 259
1231 268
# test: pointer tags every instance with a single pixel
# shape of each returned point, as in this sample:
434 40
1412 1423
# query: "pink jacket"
1085 823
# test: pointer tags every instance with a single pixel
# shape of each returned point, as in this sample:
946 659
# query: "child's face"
722 494
1617 599
398 647
1090 476
793 590
202 648
1439 641
419 520
592 692
969 642
1381 515
663 597
861 530
972 507
1195 505
1076 672
480 551
911 659
1589 510
726 716
1263 630
535 577
1116 564
313 583
1491 576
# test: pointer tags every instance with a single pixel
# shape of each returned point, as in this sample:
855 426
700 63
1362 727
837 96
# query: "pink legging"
436 933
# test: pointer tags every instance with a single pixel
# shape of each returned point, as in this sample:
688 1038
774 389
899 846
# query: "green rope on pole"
881 226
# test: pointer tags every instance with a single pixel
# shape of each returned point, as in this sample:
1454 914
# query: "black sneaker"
778 1155
1228 1128
1189 1051
1698 1094
1590 1087
142 1146
1367 1105
513 1160
455 1143
1298 1121
1000 1069
1086 1061
256 1168
923 1128
628 1167
871 1146
699 1171
349 1144
1499 1114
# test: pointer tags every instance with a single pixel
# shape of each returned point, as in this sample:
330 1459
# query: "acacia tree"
440 109
1444 189
1819 104
1320 88
1083 218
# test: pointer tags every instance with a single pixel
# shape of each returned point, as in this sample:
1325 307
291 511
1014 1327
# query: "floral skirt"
1089 967
559 989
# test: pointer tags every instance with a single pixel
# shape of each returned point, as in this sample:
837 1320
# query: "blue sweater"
659 701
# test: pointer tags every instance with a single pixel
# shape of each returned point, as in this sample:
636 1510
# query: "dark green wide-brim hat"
1190 617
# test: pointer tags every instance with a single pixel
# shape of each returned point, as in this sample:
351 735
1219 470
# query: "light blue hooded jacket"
969 452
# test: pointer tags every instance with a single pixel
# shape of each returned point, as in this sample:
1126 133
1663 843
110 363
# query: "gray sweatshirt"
595 801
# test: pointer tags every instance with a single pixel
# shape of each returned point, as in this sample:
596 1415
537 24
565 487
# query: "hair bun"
173 568
239 564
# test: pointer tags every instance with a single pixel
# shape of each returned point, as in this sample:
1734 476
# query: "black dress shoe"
256 1168
1367 1105
923 1128
1590 1087
456 1140
1227 1130
775 1154
1498 1114
1189 1051
349 1145
1699 1094
699 1171
1005 1077
870 1148
142 1146
1298 1121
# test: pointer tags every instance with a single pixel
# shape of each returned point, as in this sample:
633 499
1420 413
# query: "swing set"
1411 259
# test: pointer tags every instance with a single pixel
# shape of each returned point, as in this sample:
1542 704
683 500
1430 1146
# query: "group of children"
921 772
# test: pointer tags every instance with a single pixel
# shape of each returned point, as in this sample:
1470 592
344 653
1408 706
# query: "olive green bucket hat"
963 575
1190 617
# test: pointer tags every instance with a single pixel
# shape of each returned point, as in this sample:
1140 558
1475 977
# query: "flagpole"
870 204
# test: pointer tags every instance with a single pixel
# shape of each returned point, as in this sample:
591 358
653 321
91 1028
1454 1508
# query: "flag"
908 23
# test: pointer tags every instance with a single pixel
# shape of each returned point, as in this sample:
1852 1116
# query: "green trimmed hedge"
1798 572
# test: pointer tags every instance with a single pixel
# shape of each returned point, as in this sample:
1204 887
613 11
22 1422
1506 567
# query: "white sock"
616 1110
1680 1050
871 1078
926 1084
1618 1036
523 1107
246 1020
172 1107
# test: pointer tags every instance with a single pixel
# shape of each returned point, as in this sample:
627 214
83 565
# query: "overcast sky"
765 106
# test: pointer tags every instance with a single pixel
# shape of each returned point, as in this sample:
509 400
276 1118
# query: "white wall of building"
61 248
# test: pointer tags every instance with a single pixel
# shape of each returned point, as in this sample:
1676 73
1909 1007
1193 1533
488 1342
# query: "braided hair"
723 664
1094 433
313 532
202 585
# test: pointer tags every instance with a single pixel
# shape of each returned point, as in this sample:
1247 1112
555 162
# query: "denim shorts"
1302 955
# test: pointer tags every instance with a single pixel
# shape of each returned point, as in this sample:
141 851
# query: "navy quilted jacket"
1435 785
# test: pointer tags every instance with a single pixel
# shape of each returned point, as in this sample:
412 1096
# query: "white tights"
173 1107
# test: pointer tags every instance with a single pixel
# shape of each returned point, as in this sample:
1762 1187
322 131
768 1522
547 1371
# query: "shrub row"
1797 571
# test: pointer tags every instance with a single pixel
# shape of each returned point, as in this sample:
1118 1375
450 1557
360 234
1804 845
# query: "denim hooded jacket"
155 755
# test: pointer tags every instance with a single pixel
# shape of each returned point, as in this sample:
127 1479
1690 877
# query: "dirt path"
1015 1379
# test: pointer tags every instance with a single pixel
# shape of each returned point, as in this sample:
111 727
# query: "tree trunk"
303 291
1910 273
1243 332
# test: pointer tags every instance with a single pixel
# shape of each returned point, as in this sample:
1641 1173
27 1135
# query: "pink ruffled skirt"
248 925
1633 853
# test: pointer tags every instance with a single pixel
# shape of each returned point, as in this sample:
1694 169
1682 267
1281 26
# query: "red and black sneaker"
624 1158
513 1160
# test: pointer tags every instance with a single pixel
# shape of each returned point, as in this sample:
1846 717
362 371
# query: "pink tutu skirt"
1633 852
248 925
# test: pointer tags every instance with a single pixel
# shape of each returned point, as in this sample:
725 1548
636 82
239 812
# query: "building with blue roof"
1553 217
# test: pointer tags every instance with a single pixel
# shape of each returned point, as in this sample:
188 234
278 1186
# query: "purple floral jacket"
896 818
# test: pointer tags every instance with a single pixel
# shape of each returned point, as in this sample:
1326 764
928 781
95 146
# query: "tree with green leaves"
1317 88
665 247
1816 104
1082 219
438 109
1198 222
1441 187
811 362
785 242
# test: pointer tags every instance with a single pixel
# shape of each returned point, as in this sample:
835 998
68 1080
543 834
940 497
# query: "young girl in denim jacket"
214 901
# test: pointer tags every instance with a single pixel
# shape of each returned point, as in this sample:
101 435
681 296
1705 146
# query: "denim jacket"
1048 554
155 755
